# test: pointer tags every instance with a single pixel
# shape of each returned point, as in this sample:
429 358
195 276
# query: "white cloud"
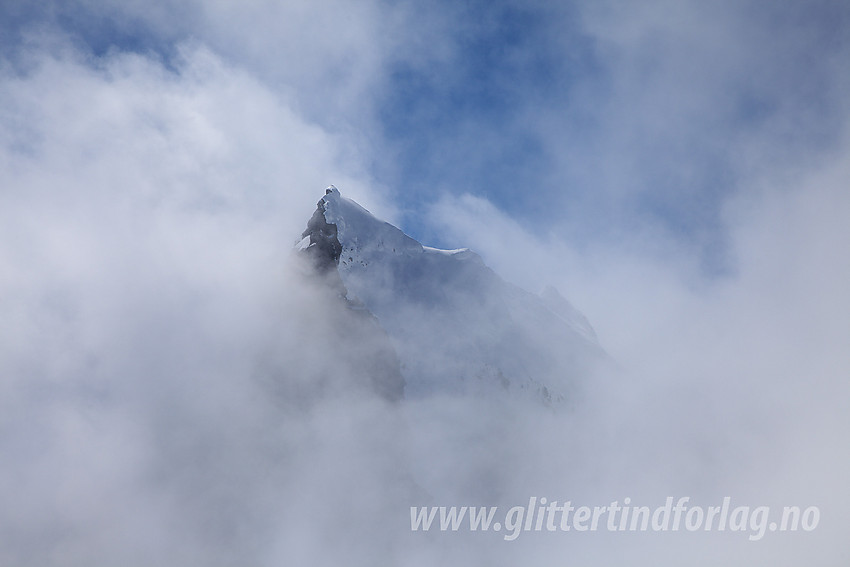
147 299
731 383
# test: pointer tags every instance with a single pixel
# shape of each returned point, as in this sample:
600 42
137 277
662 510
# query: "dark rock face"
356 341
324 248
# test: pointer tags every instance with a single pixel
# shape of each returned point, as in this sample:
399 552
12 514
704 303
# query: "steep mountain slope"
457 326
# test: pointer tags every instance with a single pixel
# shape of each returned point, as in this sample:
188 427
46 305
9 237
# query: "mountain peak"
320 240
455 324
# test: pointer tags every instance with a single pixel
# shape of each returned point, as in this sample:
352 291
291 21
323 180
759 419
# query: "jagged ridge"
455 324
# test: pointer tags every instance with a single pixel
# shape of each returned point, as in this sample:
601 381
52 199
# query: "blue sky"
532 107
620 117
607 125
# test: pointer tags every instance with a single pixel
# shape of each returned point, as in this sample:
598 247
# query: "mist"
177 388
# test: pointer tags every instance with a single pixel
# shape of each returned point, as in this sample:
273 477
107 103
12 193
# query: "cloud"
156 166
151 311
621 118
730 383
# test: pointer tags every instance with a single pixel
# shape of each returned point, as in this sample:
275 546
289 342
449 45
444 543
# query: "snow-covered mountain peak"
361 238
359 230
456 325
